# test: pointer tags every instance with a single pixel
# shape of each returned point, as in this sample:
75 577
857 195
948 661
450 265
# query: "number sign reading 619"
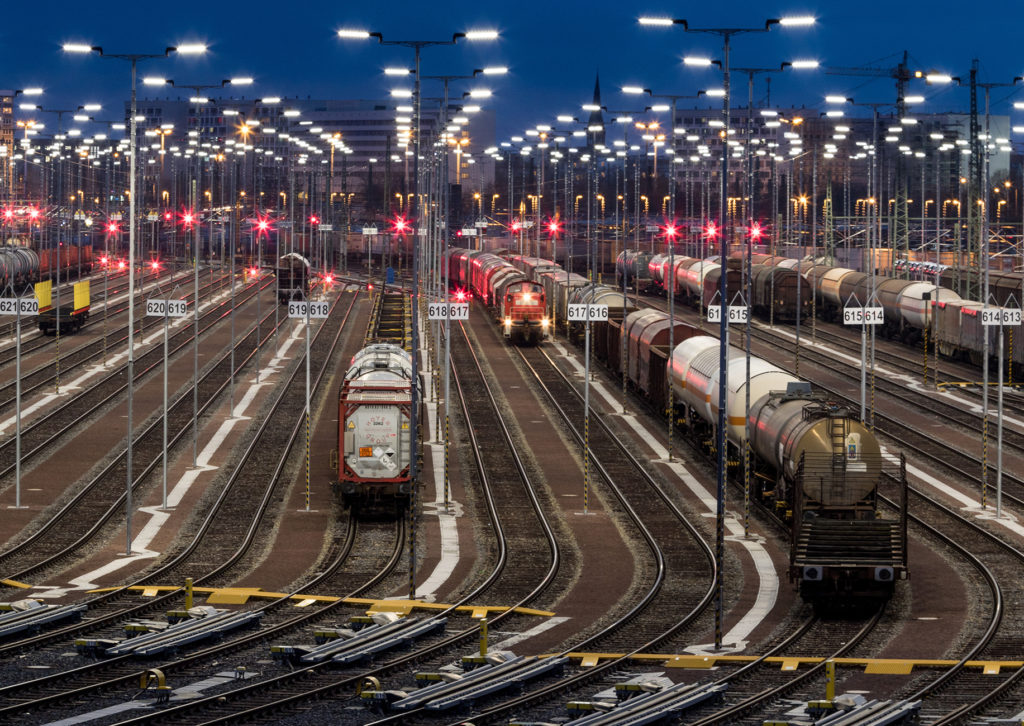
297 309
170 308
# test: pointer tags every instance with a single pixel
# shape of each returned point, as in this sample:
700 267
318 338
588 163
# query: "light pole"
197 98
133 59
723 358
417 46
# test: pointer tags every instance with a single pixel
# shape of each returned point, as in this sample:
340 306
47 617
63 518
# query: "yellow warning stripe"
241 595
872 666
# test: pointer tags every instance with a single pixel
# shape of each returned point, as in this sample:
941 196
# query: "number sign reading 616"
581 313
737 313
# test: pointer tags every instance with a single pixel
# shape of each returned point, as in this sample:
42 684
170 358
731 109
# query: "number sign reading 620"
19 305
170 308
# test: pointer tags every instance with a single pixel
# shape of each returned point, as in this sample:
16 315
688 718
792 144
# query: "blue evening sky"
553 49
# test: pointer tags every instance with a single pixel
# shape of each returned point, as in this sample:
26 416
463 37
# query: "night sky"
553 50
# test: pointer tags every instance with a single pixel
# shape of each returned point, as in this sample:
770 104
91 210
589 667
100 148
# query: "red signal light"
33 214
554 228
254 272
104 261
671 231
313 219
516 226
755 231
155 265
369 286
711 230
328 279
8 214
458 233
167 216
120 264
460 295
112 228
400 225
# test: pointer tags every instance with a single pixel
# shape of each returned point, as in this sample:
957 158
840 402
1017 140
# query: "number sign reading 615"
737 313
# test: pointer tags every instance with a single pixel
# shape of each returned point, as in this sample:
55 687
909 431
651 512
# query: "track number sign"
581 313
297 309
19 305
863 316
1000 316
170 308
450 311
737 313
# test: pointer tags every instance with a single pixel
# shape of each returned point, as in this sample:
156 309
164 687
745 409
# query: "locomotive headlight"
527 298
508 322
544 322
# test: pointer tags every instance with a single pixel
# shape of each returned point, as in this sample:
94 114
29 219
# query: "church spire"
597 115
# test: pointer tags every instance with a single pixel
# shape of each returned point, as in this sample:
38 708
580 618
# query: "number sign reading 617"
581 313
170 308
19 305
297 309
450 311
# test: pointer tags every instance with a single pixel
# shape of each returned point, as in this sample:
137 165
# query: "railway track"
59 540
34 380
33 340
249 473
503 499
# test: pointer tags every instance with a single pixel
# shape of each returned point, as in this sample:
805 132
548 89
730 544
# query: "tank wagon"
292 277
374 444
632 269
816 468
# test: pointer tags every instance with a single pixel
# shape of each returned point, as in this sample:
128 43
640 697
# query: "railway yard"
545 585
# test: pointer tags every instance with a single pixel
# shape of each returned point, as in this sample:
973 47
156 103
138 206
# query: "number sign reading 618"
581 313
297 309
450 311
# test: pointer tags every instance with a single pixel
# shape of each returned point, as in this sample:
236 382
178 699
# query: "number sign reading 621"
19 305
